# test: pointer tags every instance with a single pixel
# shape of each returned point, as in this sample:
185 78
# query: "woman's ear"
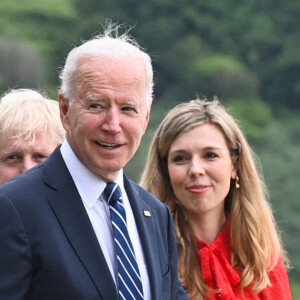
233 174
235 168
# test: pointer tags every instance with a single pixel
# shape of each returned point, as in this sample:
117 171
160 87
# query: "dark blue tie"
130 284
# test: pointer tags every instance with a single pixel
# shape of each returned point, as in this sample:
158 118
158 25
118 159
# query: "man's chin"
107 173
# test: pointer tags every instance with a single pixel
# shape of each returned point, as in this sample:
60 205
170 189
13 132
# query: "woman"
202 167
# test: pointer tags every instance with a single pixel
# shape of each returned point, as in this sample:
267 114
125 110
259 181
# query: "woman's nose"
196 168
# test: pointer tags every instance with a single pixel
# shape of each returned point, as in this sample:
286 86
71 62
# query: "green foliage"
31 19
244 52
27 60
280 156
295 287
254 115
222 76
44 26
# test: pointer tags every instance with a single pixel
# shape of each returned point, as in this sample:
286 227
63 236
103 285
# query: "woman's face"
200 169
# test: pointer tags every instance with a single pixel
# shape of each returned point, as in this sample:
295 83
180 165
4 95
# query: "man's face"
18 158
109 114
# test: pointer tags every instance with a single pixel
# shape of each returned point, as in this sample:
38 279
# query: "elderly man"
76 227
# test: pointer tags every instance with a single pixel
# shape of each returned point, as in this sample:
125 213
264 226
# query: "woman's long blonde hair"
255 241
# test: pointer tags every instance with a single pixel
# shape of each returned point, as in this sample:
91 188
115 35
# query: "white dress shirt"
90 188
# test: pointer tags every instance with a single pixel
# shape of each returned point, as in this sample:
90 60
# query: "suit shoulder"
142 191
150 198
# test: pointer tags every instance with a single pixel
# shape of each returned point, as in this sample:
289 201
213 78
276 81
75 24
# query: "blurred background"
247 53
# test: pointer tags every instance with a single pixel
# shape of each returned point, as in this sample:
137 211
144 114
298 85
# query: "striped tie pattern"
130 284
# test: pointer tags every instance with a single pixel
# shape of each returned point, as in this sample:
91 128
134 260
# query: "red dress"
215 263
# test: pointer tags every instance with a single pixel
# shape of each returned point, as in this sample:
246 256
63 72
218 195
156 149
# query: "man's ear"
64 109
147 119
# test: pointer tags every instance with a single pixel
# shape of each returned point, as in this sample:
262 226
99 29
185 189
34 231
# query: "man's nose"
28 163
112 121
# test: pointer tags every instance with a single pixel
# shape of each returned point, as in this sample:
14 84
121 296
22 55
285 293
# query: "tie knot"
112 192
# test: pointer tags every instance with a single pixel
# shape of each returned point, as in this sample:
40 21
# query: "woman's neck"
208 227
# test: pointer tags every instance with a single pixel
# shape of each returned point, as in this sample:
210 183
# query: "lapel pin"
147 213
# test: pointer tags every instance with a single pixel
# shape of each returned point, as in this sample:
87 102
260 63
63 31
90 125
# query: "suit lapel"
147 235
71 214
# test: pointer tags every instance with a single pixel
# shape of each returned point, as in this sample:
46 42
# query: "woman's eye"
211 155
179 158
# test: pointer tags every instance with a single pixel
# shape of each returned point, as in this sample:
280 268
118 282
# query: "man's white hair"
107 45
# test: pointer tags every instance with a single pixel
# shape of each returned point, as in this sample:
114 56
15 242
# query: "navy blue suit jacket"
48 248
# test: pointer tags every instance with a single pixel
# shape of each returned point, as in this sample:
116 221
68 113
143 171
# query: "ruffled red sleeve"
217 272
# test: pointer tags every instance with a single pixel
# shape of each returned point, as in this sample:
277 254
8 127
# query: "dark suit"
48 249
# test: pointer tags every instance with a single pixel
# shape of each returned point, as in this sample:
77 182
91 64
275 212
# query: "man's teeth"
108 145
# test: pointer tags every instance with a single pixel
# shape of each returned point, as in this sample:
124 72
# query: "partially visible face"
16 159
200 169
109 115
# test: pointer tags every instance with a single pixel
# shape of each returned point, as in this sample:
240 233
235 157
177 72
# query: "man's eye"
95 106
40 156
128 108
13 157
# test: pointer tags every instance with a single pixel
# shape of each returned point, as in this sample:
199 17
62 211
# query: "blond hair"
24 113
255 241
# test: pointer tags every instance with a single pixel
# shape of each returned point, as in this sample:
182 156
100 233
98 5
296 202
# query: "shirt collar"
89 186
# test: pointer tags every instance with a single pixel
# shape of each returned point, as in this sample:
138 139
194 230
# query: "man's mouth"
108 146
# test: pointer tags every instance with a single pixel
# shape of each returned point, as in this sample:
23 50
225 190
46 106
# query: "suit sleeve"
182 294
15 254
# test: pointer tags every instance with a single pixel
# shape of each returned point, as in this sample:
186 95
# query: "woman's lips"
198 189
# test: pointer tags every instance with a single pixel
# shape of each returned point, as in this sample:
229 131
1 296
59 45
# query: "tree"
44 28
17 61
